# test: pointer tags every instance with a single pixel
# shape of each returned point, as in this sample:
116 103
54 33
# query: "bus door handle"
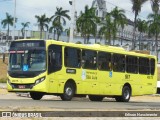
95 84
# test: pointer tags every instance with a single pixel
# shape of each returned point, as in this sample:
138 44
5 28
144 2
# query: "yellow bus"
49 67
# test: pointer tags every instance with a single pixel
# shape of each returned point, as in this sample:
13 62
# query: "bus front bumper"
12 87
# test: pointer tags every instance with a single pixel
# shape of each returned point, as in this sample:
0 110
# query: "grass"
3 71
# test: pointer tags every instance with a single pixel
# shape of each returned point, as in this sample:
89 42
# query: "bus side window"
104 61
118 63
89 59
72 57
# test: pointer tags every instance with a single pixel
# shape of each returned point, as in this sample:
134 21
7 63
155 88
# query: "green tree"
56 28
24 26
155 6
53 29
68 33
136 8
155 24
43 22
7 22
87 23
107 28
59 20
142 28
119 20
154 28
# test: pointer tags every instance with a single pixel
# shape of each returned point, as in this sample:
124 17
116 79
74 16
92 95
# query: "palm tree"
119 20
24 25
53 29
142 28
155 9
154 25
43 22
68 33
123 22
136 8
107 28
8 21
155 6
87 23
56 28
59 19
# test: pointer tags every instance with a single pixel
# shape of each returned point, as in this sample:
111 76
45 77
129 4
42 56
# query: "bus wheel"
69 91
95 98
36 95
126 94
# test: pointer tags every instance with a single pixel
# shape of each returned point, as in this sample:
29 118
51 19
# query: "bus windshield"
27 60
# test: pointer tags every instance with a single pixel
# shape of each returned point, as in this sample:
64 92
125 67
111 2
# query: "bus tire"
36 95
126 94
69 91
95 98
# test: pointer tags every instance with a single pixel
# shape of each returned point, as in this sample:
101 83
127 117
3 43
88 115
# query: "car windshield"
27 60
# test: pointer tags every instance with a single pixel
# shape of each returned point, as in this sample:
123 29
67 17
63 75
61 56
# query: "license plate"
21 86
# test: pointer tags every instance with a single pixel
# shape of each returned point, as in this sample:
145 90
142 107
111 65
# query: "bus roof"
94 47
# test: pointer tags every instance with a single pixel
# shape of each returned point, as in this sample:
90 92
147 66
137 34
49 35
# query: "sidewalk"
3 85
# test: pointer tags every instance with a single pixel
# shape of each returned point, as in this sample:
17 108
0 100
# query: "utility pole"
72 20
14 19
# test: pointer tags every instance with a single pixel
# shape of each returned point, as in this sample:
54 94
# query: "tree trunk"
140 40
41 34
109 40
134 30
84 39
88 36
156 45
22 33
95 39
57 37
122 37
113 42
7 37
54 37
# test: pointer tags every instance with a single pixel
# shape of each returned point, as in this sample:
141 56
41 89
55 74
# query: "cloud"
27 9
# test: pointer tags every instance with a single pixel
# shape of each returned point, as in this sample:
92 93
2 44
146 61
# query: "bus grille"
22 86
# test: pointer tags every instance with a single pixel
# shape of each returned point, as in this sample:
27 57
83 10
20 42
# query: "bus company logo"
6 114
110 74
83 74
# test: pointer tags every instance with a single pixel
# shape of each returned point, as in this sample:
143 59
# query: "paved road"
12 101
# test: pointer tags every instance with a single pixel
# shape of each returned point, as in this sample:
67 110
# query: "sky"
27 9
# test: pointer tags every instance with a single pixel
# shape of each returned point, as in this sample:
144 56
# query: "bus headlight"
40 80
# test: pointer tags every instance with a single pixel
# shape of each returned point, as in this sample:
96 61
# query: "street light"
72 20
